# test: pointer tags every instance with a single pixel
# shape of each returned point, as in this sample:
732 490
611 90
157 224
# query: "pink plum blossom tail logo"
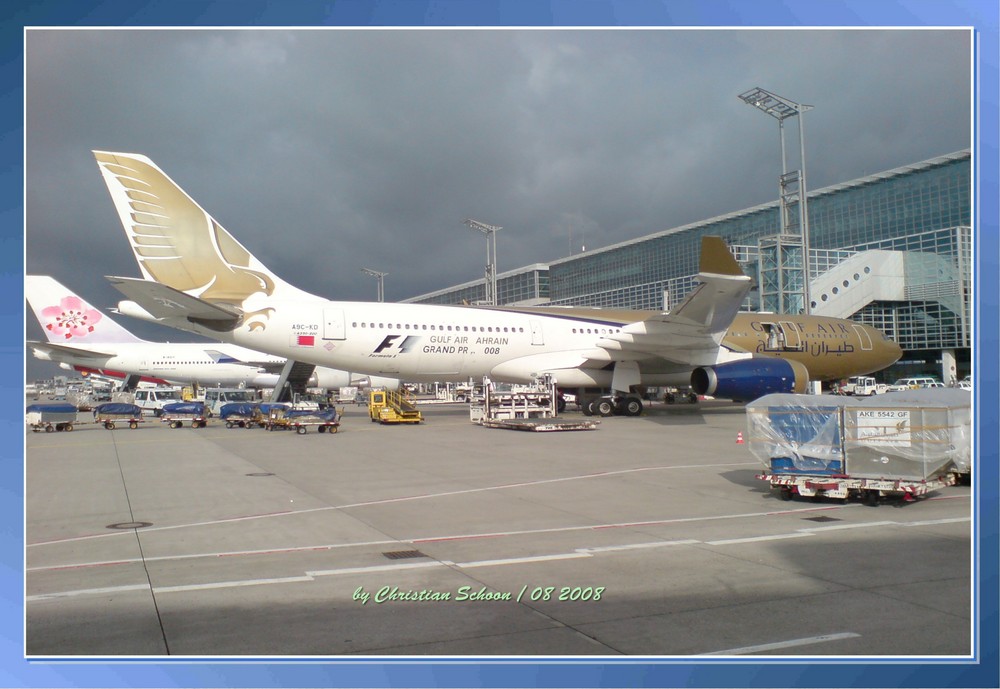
72 318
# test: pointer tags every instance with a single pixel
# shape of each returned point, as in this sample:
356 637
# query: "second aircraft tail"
68 318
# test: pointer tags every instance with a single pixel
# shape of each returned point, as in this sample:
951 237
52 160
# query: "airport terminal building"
891 250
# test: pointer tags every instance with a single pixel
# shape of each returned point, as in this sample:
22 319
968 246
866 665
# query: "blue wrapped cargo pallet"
111 412
176 413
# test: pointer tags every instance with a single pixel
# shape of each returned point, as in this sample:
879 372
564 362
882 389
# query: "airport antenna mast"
380 277
491 257
792 189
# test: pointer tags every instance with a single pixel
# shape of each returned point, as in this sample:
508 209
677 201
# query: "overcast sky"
325 151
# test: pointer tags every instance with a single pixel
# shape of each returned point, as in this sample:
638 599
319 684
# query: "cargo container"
902 444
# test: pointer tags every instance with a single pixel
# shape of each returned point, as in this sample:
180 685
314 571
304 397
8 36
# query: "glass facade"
523 286
922 209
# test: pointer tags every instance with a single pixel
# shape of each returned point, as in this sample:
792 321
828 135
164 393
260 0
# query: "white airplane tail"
176 242
67 318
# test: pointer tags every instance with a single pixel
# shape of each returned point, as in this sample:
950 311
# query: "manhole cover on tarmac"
261 473
823 519
129 525
403 554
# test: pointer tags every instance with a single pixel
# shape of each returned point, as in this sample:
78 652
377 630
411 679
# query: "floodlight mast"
491 257
781 109
380 277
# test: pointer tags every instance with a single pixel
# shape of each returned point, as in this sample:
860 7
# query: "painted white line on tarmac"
522 560
784 644
87 592
636 546
934 522
758 539
231 584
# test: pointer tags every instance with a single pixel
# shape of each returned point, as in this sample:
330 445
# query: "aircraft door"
537 337
781 337
864 337
334 327
792 339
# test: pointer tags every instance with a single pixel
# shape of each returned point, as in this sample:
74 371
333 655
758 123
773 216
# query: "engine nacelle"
749 379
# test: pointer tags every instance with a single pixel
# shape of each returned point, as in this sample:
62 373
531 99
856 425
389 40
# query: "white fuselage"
186 363
416 342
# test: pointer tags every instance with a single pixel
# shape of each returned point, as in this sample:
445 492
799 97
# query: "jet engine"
749 379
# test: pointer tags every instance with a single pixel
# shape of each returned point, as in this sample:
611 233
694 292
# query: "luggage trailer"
195 413
115 412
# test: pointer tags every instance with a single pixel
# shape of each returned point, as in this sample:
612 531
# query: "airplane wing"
162 302
690 333
72 351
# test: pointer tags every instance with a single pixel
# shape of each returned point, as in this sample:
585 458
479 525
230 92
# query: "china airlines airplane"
81 338
197 277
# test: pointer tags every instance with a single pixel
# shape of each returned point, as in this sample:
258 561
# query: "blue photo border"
983 672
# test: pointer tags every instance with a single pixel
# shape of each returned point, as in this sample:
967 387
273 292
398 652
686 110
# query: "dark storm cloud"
324 151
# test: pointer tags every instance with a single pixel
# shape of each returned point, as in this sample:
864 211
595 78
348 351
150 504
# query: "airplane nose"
893 352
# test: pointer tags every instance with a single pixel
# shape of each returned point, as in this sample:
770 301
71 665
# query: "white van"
153 399
915 382
216 397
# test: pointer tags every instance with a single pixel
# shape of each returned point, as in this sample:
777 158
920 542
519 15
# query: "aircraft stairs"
293 381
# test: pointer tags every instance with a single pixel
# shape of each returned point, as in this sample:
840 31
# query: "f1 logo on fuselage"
389 342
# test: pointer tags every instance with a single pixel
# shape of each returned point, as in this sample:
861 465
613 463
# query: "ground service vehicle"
863 386
153 399
215 398
390 406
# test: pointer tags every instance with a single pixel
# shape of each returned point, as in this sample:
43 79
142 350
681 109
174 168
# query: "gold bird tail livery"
197 277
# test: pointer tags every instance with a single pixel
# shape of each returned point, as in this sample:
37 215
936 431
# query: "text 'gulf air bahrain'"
197 277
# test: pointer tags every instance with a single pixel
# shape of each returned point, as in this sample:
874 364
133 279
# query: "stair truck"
391 406
898 445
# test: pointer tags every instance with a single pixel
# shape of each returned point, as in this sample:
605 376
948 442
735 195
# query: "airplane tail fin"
175 241
67 318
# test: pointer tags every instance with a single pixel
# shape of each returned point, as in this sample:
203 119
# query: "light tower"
378 276
491 257
792 190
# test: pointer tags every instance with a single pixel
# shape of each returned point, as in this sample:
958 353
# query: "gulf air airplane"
80 337
197 277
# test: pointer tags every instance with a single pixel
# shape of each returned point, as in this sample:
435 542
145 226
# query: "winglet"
716 258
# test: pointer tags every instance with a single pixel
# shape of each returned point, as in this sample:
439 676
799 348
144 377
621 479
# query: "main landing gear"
612 405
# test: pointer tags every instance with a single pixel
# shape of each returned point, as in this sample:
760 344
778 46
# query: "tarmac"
647 537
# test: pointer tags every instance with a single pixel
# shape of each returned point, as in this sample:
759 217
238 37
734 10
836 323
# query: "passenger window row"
441 328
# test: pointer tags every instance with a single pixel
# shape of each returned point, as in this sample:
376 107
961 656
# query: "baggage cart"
50 417
112 413
176 413
282 418
239 414
899 445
